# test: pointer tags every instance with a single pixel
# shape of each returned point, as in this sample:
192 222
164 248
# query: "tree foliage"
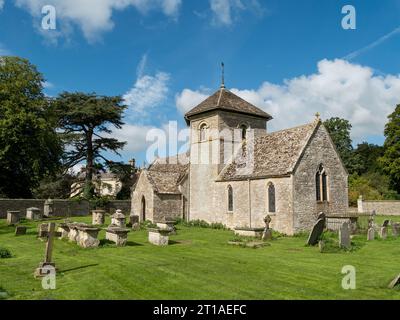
29 146
86 121
390 160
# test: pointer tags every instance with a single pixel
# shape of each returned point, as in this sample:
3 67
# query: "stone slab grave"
344 236
267 234
33 214
159 237
317 230
13 217
98 217
20 230
167 223
63 229
73 235
88 236
118 219
42 229
134 222
43 268
249 232
117 235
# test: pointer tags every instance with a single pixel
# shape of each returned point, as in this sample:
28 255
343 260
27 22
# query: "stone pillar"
360 205
48 210
118 219
13 217
33 214
98 217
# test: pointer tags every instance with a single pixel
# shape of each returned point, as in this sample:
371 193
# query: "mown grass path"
198 265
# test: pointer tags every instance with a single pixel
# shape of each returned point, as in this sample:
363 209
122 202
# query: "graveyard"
196 263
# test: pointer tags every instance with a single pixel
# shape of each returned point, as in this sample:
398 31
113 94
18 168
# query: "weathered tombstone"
321 245
43 266
159 237
383 233
63 229
73 234
267 234
42 230
20 230
88 236
344 236
317 230
33 214
134 222
396 229
13 217
117 235
48 210
371 234
98 217
395 282
167 223
118 219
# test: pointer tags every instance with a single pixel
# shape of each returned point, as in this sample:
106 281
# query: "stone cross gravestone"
317 230
267 234
344 236
42 270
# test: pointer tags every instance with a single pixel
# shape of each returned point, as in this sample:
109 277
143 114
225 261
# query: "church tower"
217 125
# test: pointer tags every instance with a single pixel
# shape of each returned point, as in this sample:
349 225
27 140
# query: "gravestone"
344 236
117 235
98 217
20 230
167 223
48 210
383 233
396 229
395 282
371 234
88 236
33 214
134 222
317 230
267 234
43 270
386 223
63 229
13 217
118 219
159 237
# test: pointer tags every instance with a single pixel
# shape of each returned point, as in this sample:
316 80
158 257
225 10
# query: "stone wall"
384 207
62 208
320 150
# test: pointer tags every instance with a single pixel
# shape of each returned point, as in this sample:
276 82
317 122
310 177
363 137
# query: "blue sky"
291 58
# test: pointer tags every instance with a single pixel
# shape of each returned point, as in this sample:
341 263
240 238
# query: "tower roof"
225 100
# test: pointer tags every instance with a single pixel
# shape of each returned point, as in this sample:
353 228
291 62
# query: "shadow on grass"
79 268
107 243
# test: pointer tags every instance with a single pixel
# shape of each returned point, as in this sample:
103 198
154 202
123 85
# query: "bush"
202 224
147 224
5 253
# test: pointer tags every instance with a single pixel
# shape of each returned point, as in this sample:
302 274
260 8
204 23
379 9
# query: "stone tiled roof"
275 154
223 99
165 174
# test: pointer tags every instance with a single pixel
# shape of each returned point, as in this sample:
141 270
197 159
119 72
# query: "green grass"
200 264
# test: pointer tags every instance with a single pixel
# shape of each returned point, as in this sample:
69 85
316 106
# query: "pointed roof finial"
317 116
223 75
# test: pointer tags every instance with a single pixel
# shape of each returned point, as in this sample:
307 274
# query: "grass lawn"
198 265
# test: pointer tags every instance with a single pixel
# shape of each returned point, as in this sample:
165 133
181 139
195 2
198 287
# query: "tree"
368 155
390 160
55 187
29 146
127 175
339 129
82 119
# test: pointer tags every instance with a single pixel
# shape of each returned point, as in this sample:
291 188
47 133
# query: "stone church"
291 175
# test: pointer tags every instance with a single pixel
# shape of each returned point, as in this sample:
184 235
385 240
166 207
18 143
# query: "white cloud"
147 93
338 89
1 4
93 17
188 99
225 11
135 136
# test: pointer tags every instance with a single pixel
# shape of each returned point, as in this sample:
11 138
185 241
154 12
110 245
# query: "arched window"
271 199
203 132
244 131
230 199
321 184
143 208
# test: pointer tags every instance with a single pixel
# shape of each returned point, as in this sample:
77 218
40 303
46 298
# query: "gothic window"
321 184
203 132
244 131
271 199
230 199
